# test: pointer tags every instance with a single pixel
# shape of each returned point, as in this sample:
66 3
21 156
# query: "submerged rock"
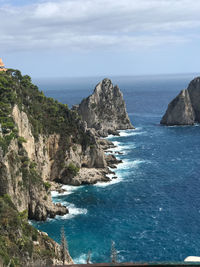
185 108
105 110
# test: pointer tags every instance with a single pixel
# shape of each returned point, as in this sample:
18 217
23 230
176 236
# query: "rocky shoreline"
43 142
91 176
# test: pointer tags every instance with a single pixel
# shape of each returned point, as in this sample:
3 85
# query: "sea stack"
105 110
185 108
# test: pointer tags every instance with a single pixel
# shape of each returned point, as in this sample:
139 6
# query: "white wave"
69 190
128 164
125 165
73 211
121 147
138 129
113 181
126 133
81 259
125 147
110 136
55 194
116 143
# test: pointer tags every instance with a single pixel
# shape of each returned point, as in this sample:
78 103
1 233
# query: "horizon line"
116 75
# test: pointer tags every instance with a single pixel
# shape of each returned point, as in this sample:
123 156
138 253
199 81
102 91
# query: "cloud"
98 24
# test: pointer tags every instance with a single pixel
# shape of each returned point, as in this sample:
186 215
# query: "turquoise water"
152 210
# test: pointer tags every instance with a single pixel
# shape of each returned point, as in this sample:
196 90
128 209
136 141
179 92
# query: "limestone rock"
180 111
112 161
194 92
88 176
105 110
185 108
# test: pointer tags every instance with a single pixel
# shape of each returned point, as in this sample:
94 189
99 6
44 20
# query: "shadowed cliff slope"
185 108
43 142
105 109
36 136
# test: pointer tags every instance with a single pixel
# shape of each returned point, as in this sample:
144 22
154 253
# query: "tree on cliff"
64 246
88 260
113 253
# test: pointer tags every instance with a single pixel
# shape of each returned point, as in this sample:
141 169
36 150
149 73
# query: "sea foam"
69 190
129 164
127 133
81 259
73 211
121 147
113 181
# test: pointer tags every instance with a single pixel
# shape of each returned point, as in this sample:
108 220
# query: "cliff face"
25 167
185 108
23 245
42 141
105 109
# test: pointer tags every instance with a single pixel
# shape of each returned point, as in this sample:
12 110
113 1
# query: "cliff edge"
185 108
43 142
105 110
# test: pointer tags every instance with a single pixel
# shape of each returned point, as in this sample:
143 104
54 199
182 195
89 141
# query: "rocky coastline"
44 143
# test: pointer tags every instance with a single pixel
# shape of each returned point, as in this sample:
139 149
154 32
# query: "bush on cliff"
17 238
46 115
72 169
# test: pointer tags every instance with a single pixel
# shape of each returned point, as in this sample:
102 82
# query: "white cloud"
98 24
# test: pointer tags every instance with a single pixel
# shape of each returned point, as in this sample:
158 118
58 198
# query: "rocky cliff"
105 110
185 108
41 142
23 245
38 139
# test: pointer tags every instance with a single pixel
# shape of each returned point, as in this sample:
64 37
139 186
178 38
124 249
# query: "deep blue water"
152 211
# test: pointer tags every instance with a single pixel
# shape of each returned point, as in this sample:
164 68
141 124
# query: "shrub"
47 186
21 140
73 169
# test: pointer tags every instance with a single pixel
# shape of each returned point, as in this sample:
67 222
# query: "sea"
152 210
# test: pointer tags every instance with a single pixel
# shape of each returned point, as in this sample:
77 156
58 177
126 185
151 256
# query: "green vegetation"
46 115
47 185
13 243
21 140
17 236
72 169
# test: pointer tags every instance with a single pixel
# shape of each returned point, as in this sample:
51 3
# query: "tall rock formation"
43 141
185 108
105 109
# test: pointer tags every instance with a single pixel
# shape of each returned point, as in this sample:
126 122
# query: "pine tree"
64 246
88 261
113 252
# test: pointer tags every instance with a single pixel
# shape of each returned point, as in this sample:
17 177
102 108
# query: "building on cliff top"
2 66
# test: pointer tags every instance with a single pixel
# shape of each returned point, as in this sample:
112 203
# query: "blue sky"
72 38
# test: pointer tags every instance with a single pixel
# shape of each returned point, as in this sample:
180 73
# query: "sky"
73 38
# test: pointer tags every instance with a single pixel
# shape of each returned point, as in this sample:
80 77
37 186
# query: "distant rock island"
105 110
185 108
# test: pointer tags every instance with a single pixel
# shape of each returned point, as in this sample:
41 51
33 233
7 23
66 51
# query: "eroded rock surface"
185 108
105 110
